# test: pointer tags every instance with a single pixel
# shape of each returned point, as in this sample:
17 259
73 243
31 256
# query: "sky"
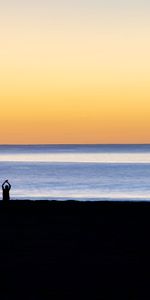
74 71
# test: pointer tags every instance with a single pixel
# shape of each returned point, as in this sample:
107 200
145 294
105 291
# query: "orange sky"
77 74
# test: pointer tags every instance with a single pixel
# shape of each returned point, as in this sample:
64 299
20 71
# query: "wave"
78 157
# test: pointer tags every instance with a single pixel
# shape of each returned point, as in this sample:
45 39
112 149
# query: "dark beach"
74 250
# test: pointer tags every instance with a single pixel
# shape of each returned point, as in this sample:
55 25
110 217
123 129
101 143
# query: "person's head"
6 187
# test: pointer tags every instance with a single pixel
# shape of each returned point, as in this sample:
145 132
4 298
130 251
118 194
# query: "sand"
74 250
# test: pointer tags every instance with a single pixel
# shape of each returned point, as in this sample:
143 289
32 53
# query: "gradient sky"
75 71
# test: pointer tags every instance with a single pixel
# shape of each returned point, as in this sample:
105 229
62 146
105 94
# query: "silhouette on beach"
6 188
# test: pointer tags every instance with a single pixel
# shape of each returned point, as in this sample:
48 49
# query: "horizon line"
72 144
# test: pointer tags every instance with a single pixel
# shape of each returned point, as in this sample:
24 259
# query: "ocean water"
80 172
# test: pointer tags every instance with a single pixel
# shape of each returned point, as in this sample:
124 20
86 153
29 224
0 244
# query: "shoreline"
103 200
76 203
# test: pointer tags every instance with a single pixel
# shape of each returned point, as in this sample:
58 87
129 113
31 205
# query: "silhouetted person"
6 188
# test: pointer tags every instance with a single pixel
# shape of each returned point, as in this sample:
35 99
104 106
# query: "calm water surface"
81 172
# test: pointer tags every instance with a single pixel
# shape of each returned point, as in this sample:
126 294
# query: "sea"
77 172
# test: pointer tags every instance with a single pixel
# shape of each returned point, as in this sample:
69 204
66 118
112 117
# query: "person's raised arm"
3 184
9 185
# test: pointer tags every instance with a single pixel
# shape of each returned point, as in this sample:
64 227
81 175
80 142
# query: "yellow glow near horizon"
68 79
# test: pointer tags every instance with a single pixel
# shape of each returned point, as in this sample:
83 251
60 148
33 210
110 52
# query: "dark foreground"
72 250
